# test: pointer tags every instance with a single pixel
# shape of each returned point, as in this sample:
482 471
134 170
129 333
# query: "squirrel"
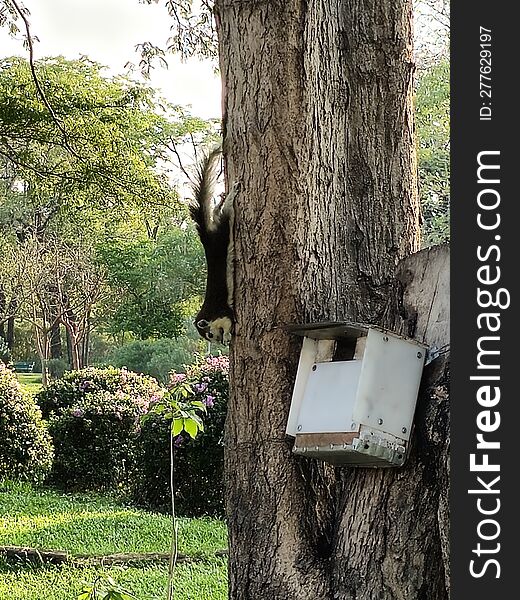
213 221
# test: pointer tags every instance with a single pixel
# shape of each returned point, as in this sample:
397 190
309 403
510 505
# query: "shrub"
94 418
75 386
198 463
25 444
150 478
57 367
156 357
93 441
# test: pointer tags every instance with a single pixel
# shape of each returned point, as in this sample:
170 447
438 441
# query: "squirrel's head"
217 330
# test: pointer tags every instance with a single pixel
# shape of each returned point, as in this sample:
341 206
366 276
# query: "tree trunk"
3 311
318 130
56 346
74 345
43 347
85 345
54 320
74 335
69 346
9 335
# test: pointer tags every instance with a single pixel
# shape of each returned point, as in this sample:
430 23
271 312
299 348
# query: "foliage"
99 147
93 441
105 588
150 478
433 133
78 183
192 33
57 367
59 283
94 417
153 281
24 347
76 386
25 445
198 462
156 357
431 31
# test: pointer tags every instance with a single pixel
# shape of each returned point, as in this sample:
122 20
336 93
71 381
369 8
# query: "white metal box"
355 394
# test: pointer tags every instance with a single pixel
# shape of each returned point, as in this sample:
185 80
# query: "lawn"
94 525
32 382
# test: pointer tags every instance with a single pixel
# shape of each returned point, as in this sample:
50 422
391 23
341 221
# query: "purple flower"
178 377
84 385
77 412
209 401
198 388
177 442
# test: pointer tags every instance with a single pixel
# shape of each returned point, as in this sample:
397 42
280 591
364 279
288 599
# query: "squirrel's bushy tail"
201 209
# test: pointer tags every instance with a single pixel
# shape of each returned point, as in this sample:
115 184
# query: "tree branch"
39 88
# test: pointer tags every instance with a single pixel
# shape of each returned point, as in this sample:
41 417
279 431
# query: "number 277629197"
486 90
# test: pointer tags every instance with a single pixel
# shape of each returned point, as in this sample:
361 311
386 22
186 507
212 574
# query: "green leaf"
177 427
159 407
199 404
197 420
191 427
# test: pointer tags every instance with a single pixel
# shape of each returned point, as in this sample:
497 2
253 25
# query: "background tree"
432 115
11 278
432 31
155 283
95 173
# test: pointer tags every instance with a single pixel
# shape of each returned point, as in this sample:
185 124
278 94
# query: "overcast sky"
107 31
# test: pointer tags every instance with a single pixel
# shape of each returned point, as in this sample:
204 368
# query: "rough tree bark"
318 129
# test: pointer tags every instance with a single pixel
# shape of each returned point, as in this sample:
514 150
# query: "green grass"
196 581
94 525
32 382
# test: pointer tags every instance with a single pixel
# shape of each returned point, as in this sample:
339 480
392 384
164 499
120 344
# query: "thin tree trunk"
54 318
2 313
56 346
43 346
9 337
75 346
318 130
85 349
74 337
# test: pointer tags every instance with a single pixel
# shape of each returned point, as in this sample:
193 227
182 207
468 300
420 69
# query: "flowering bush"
198 463
74 386
25 445
95 416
